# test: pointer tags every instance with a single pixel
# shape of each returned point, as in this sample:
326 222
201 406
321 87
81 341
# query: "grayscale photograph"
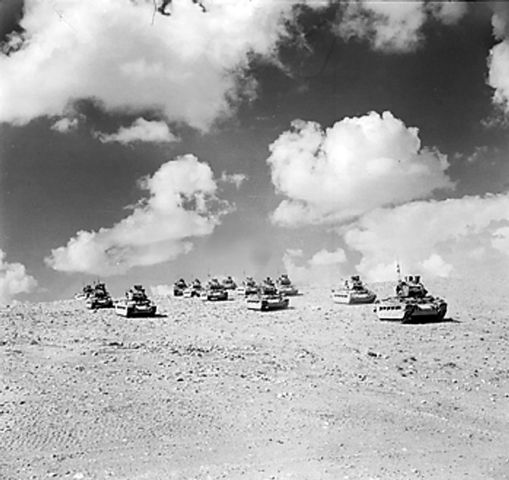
254 240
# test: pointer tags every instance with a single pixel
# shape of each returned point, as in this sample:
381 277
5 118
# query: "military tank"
99 297
214 291
136 304
285 286
267 298
229 283
179 287
248 287
353 292
411 303
193 290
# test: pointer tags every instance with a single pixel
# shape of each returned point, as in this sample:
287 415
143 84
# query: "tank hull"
135 310
430 311
353 298
266 304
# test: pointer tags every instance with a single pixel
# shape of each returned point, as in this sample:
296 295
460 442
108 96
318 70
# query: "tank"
285 286
229 283
136 304
411 303
248 287
194 290
267 298
179 287
353 292
214 291
99 297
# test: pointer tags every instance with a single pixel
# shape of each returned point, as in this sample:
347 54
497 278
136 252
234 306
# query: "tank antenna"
154 12
398 270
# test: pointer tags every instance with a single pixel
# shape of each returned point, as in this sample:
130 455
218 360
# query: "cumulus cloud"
498 60
464 236
358 164
393 26
389 26
500 19
449 13
188 66
182 204
498 74
65 125
13 280
324 267
141 130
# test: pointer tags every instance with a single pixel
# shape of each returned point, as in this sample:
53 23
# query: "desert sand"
213 391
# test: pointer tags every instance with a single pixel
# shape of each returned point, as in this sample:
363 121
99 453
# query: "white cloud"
464 236
394 26
236 179
389 26
13 280
358 164
141 130
65 125
448 13
187 66
498 74
182 204
498 60
324 267
500 19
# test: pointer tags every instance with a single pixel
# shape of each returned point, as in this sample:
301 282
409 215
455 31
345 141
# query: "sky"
318 138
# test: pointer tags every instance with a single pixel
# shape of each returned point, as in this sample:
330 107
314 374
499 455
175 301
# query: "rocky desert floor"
213 391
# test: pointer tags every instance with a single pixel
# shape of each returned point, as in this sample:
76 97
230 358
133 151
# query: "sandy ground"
210 391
